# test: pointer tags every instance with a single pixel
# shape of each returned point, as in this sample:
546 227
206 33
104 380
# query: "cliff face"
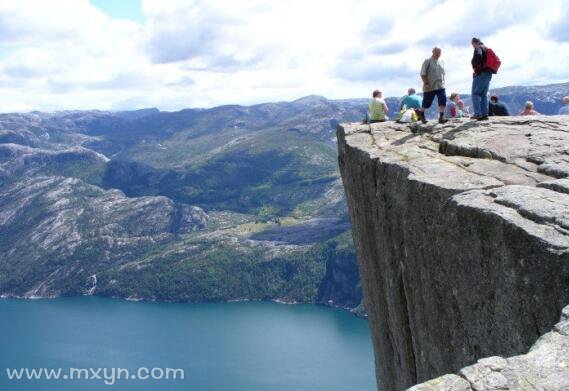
462 237
341 284
545 367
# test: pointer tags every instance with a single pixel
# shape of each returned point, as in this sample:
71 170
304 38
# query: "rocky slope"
57 233
462 239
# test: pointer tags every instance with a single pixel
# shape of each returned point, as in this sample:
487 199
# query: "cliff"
462 237
545 367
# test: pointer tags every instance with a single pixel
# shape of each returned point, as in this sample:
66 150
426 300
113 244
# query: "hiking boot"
482 118
443 120
474 117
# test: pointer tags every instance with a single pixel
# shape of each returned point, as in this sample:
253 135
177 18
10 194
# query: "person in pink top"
451 110
528 110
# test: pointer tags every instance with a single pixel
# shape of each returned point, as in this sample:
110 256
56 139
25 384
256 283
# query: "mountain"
228 203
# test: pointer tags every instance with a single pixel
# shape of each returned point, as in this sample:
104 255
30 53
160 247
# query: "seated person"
528 110
463 111
564 110
411 100
377 108
451 109
496 107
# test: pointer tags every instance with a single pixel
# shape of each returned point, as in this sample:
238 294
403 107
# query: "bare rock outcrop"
544 367
462 237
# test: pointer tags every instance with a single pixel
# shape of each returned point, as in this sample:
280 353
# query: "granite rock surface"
462 237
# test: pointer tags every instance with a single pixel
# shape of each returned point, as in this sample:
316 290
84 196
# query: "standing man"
433 75
481 80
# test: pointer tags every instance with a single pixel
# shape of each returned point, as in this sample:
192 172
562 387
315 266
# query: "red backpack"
492 61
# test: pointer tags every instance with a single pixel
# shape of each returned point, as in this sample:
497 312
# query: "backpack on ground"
407 115
492 61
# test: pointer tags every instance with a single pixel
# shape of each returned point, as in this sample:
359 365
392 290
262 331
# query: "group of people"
412 107
498 108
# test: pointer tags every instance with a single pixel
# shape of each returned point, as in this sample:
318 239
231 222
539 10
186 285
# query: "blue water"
236 346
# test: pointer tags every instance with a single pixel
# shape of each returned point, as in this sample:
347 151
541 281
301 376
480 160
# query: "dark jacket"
479 60
498 108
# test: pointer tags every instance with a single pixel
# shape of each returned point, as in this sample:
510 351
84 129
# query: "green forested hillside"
227 203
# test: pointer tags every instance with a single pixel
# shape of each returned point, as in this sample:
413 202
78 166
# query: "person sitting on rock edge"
433 76
411 100
451 110
528 110
377 107
564 110
463 111
497 108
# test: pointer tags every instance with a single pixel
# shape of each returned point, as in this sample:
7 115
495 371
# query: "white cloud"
67 54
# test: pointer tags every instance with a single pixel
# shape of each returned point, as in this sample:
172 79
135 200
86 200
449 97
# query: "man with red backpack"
485 63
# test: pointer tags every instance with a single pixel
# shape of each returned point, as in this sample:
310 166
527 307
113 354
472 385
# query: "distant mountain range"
227 203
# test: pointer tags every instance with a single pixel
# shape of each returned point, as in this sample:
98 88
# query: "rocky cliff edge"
462 237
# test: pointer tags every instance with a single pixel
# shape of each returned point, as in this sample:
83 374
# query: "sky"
174 54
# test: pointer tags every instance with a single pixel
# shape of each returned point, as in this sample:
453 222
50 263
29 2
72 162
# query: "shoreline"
279 301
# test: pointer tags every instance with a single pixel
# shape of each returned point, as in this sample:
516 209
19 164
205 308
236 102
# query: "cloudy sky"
171 54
